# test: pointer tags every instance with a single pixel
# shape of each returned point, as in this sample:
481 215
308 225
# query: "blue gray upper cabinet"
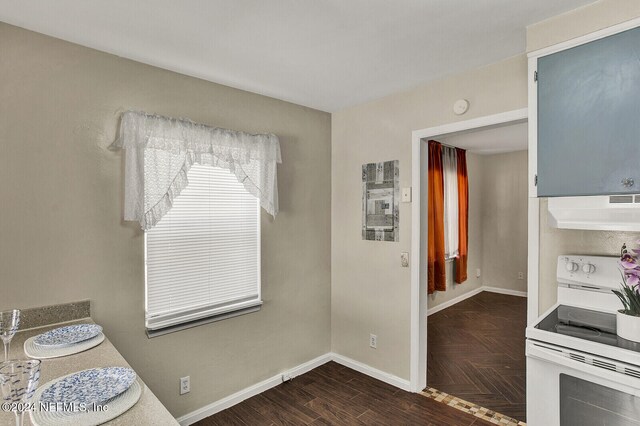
589 118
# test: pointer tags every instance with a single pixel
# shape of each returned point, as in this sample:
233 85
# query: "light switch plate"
406 195
404 259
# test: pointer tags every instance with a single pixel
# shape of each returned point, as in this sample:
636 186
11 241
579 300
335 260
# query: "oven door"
571 388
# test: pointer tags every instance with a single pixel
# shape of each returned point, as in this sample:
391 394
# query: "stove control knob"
588 268
571 266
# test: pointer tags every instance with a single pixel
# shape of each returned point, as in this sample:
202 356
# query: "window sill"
202 321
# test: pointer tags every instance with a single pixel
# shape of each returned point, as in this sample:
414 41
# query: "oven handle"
557 356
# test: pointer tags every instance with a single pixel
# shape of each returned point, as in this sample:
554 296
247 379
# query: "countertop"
147 411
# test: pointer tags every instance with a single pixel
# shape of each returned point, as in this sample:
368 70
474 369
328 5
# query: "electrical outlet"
373 341
404 259
478 273
185 385
521 275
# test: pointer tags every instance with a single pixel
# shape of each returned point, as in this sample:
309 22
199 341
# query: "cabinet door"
589 118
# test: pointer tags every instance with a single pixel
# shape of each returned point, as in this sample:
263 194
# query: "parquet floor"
335 395
476 351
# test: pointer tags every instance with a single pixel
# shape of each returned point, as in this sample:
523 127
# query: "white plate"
89 388
68 335
116 407
42 352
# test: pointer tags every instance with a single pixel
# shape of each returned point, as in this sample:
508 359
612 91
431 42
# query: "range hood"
601 212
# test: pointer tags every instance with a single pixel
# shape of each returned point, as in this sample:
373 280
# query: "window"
203 257
450 174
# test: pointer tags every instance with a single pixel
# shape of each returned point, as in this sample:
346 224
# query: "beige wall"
581 21
370 291
61 233
554 242
504 220
497 226
475 171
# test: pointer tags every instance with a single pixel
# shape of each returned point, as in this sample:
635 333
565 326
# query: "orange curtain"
436 265
463 216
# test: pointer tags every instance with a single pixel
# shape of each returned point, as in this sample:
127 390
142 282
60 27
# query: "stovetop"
595 326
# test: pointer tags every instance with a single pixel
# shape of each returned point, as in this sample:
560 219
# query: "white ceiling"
494 140
324 54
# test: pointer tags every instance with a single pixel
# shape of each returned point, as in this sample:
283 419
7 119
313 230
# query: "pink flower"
632 280
628 262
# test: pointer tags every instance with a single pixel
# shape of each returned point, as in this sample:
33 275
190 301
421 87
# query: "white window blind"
450 172
203 256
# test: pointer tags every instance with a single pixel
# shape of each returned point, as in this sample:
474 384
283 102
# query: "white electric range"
579 372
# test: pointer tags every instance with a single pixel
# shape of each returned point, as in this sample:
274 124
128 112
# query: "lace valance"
159 151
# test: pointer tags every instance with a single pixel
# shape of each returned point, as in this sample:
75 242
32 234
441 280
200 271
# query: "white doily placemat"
112 409
34 351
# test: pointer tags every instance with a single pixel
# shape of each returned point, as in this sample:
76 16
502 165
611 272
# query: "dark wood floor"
336 395
476 351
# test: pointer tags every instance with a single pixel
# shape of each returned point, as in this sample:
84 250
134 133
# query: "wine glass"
18 382
9 322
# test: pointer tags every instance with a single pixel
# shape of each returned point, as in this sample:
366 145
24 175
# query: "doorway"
496 147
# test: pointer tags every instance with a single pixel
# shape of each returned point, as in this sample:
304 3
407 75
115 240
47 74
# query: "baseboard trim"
472 293
258 388
505 291
372 372
453 301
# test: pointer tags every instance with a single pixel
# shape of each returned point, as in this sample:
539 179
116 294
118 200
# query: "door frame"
418 360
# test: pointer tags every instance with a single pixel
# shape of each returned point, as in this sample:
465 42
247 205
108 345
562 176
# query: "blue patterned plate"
89 387
66 336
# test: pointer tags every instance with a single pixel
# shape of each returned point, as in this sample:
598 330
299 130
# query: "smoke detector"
460 106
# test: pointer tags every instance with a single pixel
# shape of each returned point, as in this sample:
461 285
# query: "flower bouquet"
628 318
